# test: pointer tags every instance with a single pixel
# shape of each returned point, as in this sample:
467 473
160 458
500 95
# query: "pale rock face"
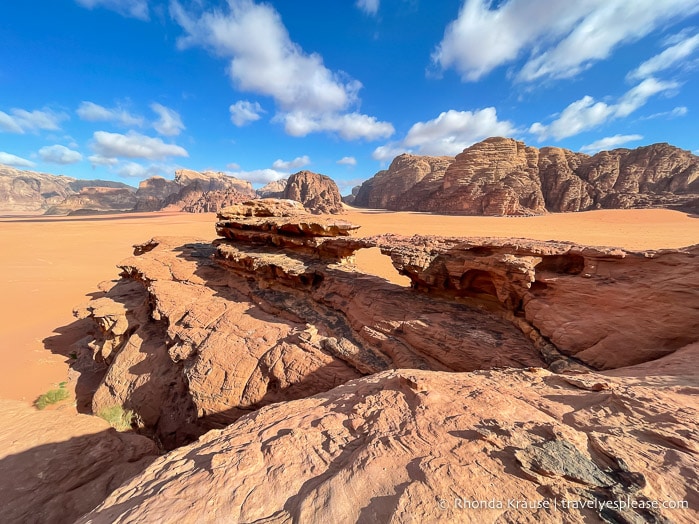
501 176
273 189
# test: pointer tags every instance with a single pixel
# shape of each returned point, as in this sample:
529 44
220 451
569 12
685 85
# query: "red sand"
50 265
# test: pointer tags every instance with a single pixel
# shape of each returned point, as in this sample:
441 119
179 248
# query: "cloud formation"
169 122
20 121
264 60
243 112
347 161
259 176
448 134
610 142
370 7
92 112
288 165
586 113
58 154
557 38
129 8
673 55
14 160
131 145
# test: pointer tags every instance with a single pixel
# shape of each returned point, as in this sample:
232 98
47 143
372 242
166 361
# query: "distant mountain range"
502 176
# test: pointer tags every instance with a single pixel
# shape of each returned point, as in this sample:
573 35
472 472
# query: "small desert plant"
118 417
52 396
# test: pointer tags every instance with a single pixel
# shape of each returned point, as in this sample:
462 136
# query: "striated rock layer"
426 446
501 176
195 335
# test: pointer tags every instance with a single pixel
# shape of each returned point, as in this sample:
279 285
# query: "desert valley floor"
49 265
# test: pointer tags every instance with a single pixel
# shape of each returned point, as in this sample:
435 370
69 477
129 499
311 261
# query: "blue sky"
126 89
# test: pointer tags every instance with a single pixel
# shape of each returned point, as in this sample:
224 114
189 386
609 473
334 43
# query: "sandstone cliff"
31 192
273 189
501 176
318 193
96 200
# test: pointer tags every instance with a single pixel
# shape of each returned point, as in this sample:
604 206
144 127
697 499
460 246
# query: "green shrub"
52 396
118 417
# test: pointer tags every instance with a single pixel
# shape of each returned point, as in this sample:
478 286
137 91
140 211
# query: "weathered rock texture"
501 176
194 335
273 189
318 193
28 191
419 446
57 466
96 200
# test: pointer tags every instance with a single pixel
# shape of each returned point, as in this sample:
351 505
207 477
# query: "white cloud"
558 38
131 8
370 7
96 113
347 161
350 126
244 111
21 120
284 165
14 160
263 176
136 170
99 160
586 113
133 145
610 142
671 56
58 154
233 166
264 60
448 134
674 113
169 122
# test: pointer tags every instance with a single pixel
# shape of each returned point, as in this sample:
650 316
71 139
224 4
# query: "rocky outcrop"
318 193
501 176
57 465
193 192
426 446
195 335
31 192
92 200
274 189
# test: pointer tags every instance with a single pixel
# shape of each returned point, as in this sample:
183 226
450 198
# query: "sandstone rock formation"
273 189
57 466
92 200
194 335
318 193
28 191
193 192
501 176
426 446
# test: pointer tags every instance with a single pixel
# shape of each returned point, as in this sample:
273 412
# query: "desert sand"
50 265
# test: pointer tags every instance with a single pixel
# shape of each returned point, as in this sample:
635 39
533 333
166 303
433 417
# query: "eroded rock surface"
318 193
56 465
501 176
418 446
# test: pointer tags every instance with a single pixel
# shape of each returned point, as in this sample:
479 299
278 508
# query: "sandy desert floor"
50 265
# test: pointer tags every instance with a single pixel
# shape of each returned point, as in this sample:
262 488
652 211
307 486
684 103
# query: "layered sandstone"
91 200
501 176
194 335
427 446
274 189
318 193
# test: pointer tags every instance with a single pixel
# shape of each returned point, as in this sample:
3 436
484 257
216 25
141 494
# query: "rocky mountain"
336 387
318 193
31 192
501 176
274 189
90 200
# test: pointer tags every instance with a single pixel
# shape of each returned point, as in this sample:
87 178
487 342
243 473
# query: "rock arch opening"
476 282
370 260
